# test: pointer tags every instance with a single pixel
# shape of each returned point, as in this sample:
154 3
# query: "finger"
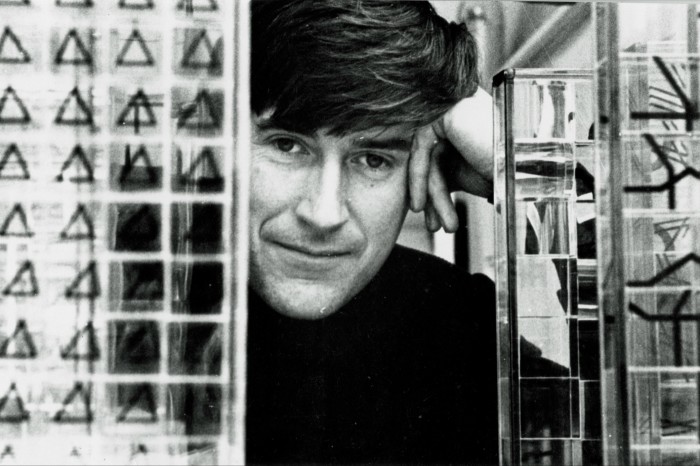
440 198
424 140
432 221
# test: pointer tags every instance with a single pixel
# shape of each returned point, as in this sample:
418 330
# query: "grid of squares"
116 258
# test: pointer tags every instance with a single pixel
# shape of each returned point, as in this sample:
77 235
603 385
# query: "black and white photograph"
360 232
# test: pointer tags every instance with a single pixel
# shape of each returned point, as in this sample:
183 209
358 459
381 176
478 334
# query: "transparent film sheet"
119 254
649 231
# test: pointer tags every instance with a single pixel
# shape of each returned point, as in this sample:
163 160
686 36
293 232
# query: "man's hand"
453 153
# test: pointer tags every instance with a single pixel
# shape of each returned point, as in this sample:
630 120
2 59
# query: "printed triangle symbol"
77 156
24 283
12 109
141 57
127 174
85 285
197 5
11 49
76 106
73 51
79 226
7 452
76 406
131 115
136 5
15 224
200 114
12 407
133 410
12 165
83 345
20 345
138 453
201 54
203 171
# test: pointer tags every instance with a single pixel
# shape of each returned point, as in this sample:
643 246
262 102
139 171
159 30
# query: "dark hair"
351 65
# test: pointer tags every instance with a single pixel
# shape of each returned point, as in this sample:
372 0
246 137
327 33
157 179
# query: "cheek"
271 189
380 209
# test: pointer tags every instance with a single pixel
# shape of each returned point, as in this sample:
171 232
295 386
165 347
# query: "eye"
284 144
374 161
375 166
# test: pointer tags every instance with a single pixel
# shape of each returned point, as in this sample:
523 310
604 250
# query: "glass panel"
544 119
649 212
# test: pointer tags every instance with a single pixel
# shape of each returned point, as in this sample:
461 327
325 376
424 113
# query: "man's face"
325 213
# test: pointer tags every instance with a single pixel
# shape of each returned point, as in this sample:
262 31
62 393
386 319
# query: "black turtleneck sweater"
405 372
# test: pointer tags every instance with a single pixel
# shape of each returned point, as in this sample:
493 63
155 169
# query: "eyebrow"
403 144
397 143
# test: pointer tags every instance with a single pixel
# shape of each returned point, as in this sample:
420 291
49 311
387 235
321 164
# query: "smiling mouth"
318 253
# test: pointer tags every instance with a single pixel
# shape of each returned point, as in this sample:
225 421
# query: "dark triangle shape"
75 3
12 407
137 102
76 395
125 175
136 4
82 116
138 453
139 346
11 50
139 229
192 59
135 38
23 344
77 155
24 284
202 112
13 151
191 6
146 282
143 392
10 96
79 226
205 164
82 57
88 273
7 452
8 227
89 351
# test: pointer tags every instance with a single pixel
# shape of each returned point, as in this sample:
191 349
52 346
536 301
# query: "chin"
303 301
303 298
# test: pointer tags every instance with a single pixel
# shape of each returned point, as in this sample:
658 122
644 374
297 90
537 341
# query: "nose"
324 206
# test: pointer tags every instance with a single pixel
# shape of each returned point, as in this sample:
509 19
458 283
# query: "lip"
313 253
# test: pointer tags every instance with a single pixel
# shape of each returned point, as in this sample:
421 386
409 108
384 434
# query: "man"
360 350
